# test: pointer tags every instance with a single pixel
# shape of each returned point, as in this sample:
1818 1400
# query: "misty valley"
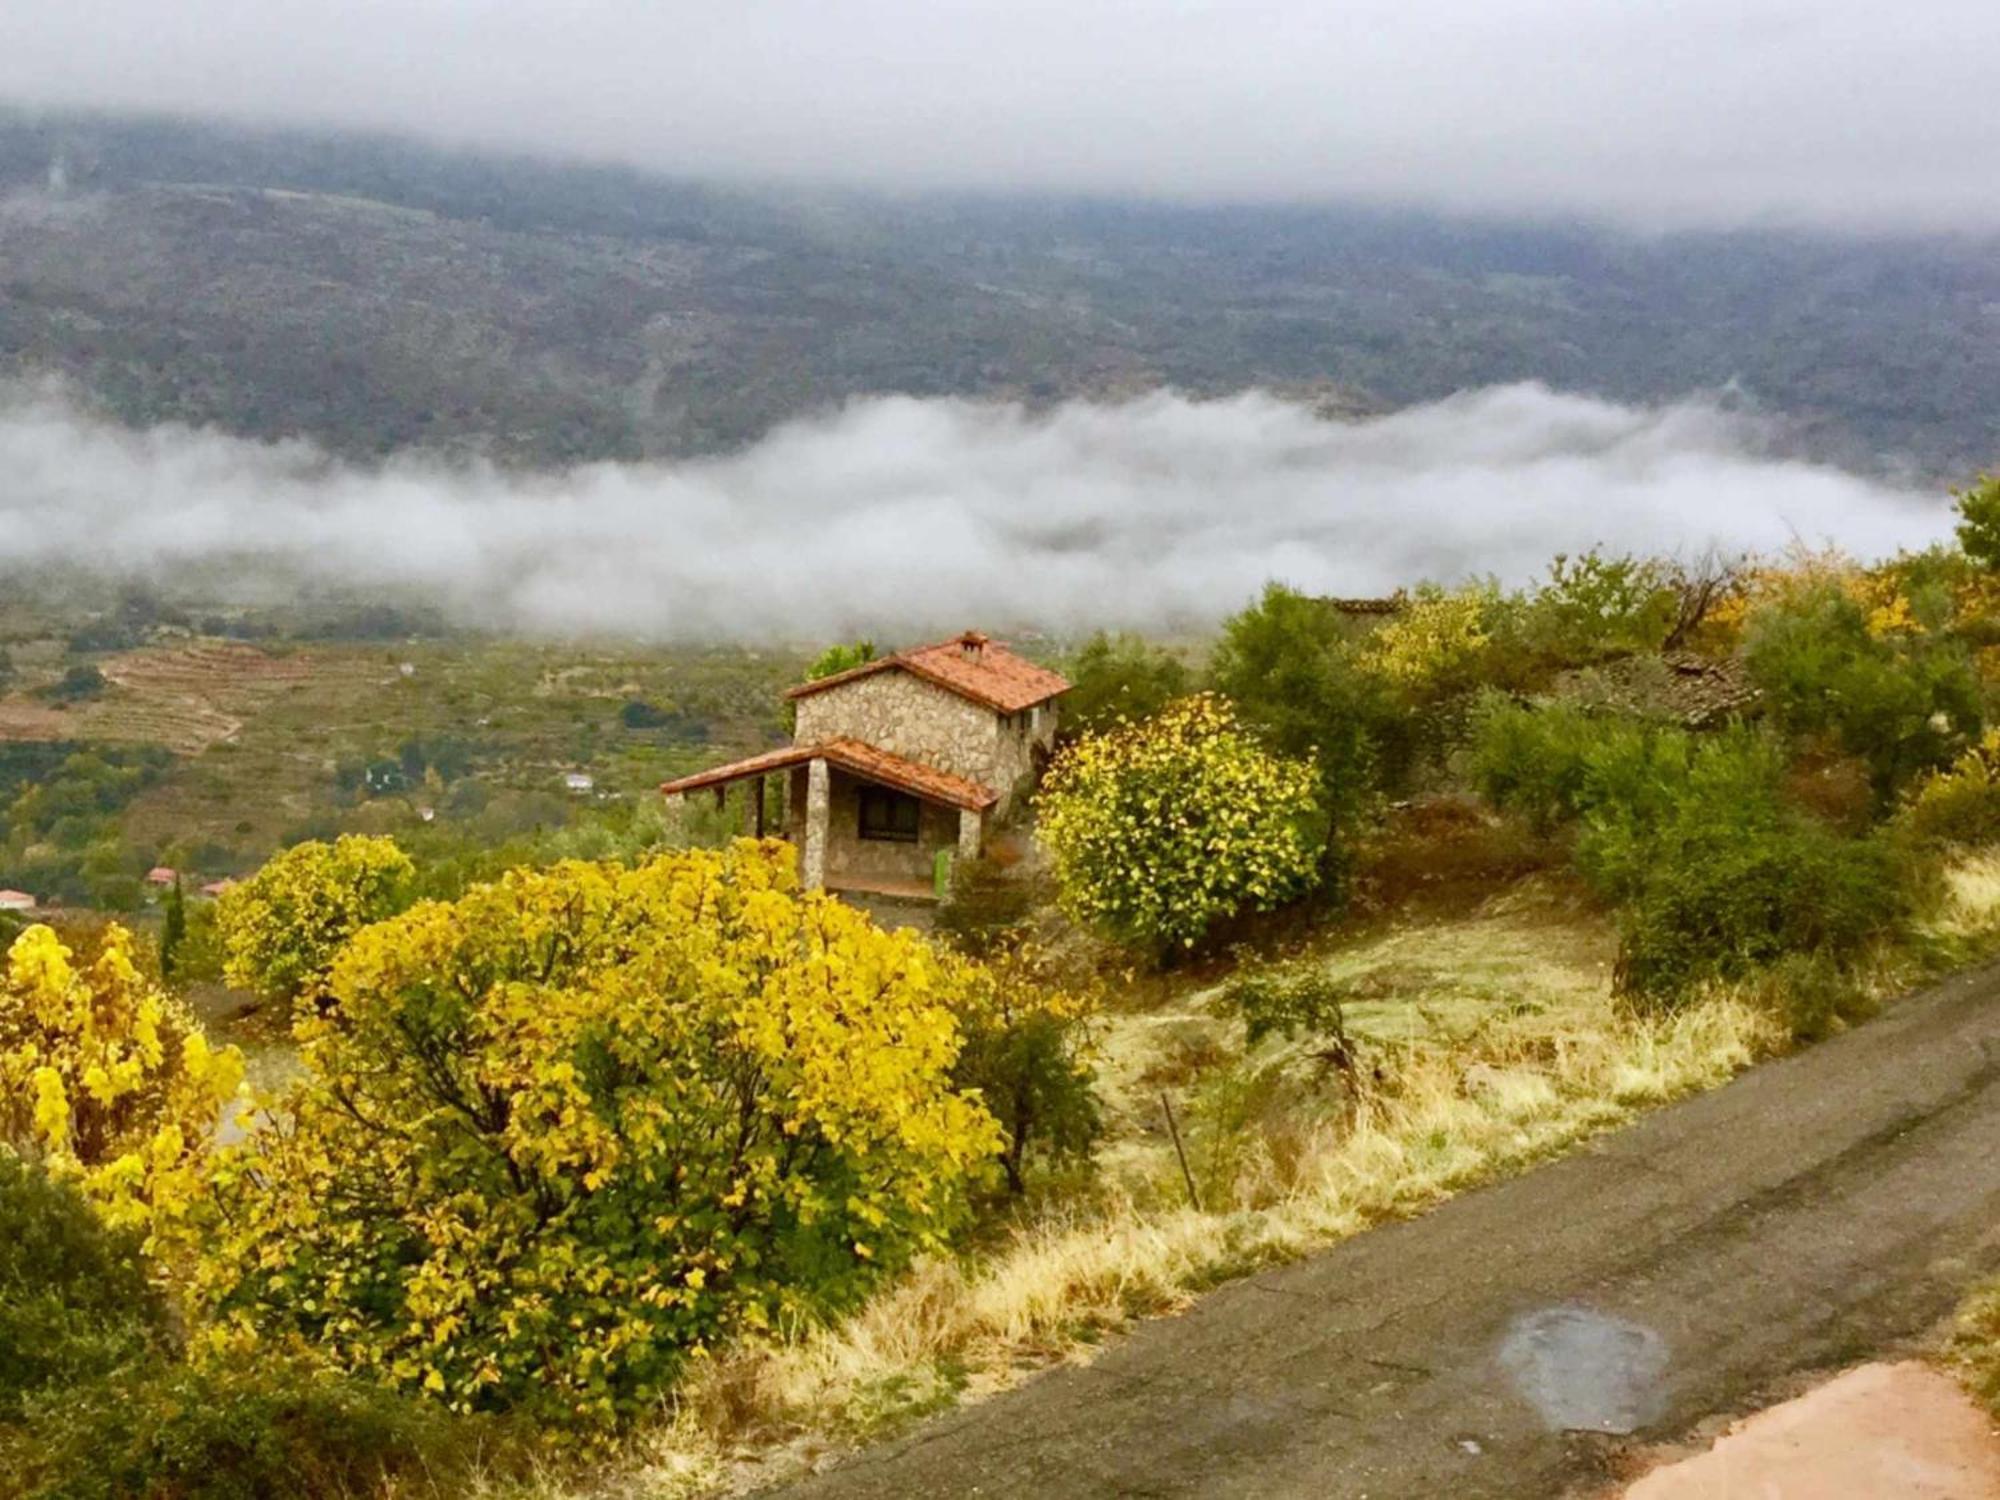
1148 750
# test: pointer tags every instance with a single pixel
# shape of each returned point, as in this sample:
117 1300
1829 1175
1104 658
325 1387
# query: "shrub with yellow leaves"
108 1081
585 1121
1161 830
281 929
1438 643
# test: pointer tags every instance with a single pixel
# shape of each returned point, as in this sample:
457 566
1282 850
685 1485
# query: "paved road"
1816 1209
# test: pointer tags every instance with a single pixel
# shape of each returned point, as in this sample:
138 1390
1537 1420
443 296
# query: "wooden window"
891 815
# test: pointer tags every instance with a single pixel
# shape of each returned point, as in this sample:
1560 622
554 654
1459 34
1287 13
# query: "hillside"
373 295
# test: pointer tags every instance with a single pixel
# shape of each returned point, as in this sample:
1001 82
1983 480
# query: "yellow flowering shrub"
281 928
585 1121
1160 830
109 1081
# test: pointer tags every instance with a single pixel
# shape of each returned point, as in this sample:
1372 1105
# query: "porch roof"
857 758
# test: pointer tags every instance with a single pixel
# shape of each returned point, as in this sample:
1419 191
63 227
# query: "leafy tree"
282 928
639 714
75 1303
840 658
107 1080
1119 679
173 929
1595 606
1979 520
1901 697
1027 1054
76 684
1290 666
1160 830
588 1120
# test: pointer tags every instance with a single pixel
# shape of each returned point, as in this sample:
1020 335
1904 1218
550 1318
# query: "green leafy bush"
1903 699
1716 873
1119 679
1291 665
1721 903
1299 1005
75 1303
1534 761
271 1426
1027 1054
1596 606
1961 804
1979 520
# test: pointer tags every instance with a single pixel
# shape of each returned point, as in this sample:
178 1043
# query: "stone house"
900 761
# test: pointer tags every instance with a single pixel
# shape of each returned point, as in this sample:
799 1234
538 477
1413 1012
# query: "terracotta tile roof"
856 758
969 665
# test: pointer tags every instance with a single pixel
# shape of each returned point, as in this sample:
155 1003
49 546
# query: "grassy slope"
1498 1046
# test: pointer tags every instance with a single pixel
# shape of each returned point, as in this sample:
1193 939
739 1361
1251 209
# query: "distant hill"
373 295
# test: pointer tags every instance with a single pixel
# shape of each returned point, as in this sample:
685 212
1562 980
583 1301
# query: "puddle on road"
1585 1371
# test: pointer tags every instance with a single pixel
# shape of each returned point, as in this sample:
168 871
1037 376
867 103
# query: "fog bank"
898 516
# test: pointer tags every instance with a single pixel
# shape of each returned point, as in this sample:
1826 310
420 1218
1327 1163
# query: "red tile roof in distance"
856 758
969 665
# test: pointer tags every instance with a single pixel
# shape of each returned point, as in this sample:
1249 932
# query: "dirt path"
1816 1211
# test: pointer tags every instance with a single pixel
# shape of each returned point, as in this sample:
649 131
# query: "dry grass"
1498 1045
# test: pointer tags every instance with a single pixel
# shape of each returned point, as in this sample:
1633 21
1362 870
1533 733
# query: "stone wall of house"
1016 745
902 713
849 854
899 712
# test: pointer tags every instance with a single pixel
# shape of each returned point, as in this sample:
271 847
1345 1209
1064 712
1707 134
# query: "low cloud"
899 515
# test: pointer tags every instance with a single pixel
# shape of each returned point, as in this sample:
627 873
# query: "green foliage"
1960 804
1027 1055
1716 873
580 1123
1118 679
59 833
1533 761
1979 520
1162 830
1291 666
1300 1005
1595 606
272 1426
282 928
1719 903
840 658
1903 699
75 685
173 929
75 1301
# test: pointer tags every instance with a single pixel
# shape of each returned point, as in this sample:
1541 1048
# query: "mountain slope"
372 294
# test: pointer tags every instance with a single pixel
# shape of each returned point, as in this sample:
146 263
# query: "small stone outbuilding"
900 766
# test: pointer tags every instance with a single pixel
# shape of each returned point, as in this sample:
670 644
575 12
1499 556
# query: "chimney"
972 645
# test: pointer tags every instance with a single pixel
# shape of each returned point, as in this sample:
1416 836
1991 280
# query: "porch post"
819 799
971 824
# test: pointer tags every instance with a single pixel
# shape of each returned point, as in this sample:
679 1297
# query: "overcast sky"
1844 112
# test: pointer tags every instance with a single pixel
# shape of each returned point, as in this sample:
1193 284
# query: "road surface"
1818 1209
